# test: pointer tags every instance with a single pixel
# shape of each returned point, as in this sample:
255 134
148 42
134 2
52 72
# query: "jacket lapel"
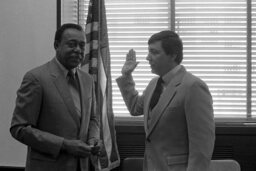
164 100
61 84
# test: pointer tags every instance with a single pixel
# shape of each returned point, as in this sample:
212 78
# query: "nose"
78 48
148 57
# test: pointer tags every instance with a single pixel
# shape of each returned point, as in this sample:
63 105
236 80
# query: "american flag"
98 55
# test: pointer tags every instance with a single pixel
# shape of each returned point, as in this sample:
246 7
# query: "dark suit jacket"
180 135
45 114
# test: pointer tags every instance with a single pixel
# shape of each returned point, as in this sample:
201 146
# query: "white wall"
27 30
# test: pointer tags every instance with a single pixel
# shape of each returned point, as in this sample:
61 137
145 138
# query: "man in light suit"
55 119
180 129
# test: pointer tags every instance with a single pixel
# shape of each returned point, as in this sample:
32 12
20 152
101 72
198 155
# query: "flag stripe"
91 27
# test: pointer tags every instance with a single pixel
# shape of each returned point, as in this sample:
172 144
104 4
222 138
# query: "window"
214 33
219 38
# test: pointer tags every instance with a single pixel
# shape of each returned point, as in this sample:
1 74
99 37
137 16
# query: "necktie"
75 90
72 80
157 93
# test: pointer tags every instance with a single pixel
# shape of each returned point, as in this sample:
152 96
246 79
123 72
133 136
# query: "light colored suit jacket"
45 114
181 132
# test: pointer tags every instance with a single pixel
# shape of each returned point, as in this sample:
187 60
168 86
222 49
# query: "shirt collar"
63 69
169 75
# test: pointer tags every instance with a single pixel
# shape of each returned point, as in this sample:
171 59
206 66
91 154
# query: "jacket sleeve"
133 101
25 117
201 126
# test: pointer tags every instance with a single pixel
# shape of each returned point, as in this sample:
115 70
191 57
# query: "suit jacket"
45 114
181 132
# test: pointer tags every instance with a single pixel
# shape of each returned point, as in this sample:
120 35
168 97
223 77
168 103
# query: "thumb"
136 64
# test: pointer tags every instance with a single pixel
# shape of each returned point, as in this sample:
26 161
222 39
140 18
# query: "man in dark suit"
55 113
179 127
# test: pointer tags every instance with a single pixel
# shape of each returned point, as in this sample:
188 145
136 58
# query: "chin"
76 63
73 66
153 71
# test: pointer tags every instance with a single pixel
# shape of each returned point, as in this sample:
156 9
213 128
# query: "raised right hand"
130 63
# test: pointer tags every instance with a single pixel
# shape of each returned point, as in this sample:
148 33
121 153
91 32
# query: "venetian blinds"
216 37
253 54
130 24
214 34
69 11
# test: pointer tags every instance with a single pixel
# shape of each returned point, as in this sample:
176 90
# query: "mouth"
75 57
151 65
75 60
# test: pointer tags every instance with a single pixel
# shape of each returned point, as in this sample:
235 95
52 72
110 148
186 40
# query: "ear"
174 56
56 44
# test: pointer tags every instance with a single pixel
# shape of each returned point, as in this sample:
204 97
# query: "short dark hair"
59 32
171 43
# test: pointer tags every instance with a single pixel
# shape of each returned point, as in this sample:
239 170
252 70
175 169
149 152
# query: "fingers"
97 148
77 148
84 150
131 55
136 64
130 63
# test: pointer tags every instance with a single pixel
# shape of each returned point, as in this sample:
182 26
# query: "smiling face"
70 49
160 62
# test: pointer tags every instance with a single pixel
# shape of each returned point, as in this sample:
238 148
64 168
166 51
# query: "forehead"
155 46
73 34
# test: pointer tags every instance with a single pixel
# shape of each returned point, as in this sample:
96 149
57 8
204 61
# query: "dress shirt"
74 92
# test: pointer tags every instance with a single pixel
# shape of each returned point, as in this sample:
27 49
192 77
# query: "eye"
82 45
154 52
71 44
